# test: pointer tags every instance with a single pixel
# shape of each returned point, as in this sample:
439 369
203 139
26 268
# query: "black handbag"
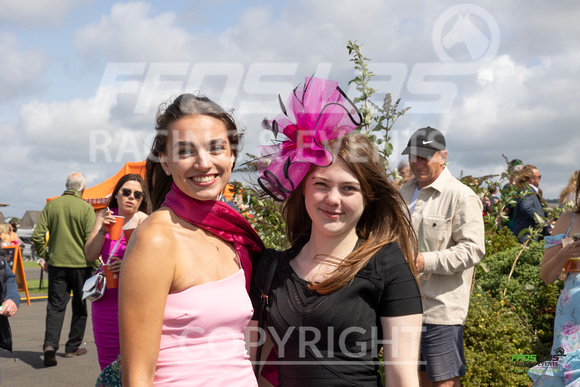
262 314
5 334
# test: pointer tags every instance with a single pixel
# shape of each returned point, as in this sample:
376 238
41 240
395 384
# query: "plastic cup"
112 278
573 264
128 232
116 228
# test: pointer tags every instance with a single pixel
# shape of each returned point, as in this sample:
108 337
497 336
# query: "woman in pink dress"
183 302
128 200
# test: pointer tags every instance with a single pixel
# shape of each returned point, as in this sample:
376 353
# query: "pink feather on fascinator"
316 112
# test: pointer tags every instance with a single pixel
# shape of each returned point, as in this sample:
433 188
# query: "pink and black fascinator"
316 112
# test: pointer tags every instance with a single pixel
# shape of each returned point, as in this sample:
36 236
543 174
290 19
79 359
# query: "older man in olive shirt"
68 220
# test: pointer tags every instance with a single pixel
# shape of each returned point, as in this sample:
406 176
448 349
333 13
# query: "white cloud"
65 131
523 105
20 70
37 13
523 112
131 34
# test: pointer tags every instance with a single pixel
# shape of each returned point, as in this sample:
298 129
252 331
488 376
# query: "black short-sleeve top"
334 339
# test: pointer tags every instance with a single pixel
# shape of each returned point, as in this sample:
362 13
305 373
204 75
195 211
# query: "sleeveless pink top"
202 340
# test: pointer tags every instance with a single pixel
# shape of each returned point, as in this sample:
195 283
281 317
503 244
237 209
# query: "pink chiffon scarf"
221 220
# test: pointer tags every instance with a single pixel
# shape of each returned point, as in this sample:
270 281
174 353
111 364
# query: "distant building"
29 219
2 218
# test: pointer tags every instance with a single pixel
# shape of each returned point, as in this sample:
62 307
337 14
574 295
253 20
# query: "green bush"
500 240
264 216
493 333
534 300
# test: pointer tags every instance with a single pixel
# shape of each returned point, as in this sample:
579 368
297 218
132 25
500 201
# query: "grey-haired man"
447 217
68 220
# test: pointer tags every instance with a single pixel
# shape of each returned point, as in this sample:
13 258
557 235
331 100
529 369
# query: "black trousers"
61 280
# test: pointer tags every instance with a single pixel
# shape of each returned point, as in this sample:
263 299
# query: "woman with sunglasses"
128 200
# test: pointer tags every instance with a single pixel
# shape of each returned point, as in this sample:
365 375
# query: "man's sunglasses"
127 192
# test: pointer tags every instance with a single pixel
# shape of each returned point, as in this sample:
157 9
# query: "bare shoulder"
566 217
563 223
154 235
140 217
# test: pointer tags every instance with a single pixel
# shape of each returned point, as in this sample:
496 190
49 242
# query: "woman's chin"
128 210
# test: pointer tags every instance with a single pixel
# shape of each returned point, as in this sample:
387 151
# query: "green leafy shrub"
264 216
501 240
534 300
493 333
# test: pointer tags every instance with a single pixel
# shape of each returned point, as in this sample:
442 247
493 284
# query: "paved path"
28 335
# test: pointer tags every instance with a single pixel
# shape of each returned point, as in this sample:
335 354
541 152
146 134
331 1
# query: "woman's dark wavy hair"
145 205
385 218
158 183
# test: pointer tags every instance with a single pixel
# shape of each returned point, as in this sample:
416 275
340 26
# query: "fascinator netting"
315 112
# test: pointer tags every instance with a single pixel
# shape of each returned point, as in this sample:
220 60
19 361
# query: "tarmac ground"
25 367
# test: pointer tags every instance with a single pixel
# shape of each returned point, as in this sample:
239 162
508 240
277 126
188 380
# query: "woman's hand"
571 250
106 219
96 239
556 257
114 264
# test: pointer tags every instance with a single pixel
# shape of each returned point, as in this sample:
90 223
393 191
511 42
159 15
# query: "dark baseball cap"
425 142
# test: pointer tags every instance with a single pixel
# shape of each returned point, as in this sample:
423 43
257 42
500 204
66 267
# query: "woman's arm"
147 275
252 337
401 337
556 257
97 236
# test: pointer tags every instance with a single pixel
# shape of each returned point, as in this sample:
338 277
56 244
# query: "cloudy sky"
80 80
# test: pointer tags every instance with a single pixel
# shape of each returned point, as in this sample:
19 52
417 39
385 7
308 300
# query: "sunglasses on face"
127 192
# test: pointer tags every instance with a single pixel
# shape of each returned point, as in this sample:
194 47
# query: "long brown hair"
158 182
577 196
385 218
570 188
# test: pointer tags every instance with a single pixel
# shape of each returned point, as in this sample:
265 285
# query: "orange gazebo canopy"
99 195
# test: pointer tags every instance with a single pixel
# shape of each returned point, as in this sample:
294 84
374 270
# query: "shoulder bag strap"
570 226
262 314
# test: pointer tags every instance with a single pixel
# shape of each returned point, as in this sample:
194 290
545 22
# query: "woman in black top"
345 287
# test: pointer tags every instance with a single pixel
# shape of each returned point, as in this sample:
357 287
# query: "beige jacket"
449 225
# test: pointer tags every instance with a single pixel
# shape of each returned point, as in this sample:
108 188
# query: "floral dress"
564 369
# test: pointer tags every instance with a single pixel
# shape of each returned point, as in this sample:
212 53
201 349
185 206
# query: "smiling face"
199 156
129 205
334 200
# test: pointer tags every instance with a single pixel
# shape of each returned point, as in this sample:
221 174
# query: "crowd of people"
373 262
8 235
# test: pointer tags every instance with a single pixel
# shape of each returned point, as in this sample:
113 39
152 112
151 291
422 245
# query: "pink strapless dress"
202 341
